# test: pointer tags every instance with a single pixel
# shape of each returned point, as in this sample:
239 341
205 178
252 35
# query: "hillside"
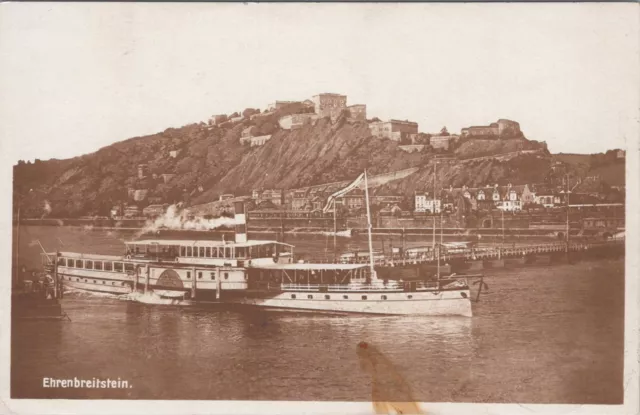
210 160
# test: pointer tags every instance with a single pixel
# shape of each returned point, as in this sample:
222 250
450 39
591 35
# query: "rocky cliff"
210 160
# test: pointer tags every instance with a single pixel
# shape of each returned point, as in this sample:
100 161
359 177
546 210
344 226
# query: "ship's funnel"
241 222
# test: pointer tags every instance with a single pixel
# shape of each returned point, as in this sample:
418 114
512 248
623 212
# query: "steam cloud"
179 220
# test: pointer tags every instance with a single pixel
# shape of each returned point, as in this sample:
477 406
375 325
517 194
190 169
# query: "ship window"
94 281
70 262
183 251
208 252
199 275
213 275
61 261
86 280
202 251
189 251
327 297
364 297
108 266
226 275
188 274
78 263
293 296
384 297
117 266
103 282
122 284
310 297
88 264
98 265
346 297
409 296
113 283
128 266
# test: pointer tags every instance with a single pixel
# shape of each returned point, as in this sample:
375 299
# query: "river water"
540 335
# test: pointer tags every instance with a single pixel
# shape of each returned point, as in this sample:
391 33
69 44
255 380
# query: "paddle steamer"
256 273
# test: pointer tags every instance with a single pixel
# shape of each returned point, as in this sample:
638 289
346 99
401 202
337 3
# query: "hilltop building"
395 130
357 112
279 104
500 129
329 105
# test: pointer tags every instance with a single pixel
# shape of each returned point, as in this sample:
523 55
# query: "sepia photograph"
320 208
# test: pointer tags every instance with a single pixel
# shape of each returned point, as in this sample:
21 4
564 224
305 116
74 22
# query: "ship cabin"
216 253
306 276
360 257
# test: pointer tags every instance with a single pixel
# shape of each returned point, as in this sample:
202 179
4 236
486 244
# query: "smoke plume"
175 219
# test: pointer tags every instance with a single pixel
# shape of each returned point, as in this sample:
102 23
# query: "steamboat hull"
427 303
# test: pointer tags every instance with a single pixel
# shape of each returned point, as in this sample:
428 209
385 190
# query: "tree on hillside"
248 112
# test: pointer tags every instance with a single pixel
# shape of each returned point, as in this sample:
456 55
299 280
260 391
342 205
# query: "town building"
131 211
357 112
426 203
226 196
174 153
274 196
511 200
329 105
294 121
354 199
621 154
394 130
502 128
153 211
299 200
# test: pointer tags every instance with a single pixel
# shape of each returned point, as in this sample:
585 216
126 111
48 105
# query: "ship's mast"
366 192
335 231
433 208
436 254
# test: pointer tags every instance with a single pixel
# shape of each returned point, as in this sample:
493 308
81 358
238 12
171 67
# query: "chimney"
241 222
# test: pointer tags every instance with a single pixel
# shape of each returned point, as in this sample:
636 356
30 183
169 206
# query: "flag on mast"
331 200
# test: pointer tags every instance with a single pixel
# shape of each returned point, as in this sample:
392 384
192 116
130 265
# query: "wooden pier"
481 258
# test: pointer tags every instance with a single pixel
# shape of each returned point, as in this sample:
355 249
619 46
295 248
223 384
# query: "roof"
312 267
203 243
88 256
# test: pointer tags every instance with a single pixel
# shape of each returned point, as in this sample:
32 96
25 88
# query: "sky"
76 77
